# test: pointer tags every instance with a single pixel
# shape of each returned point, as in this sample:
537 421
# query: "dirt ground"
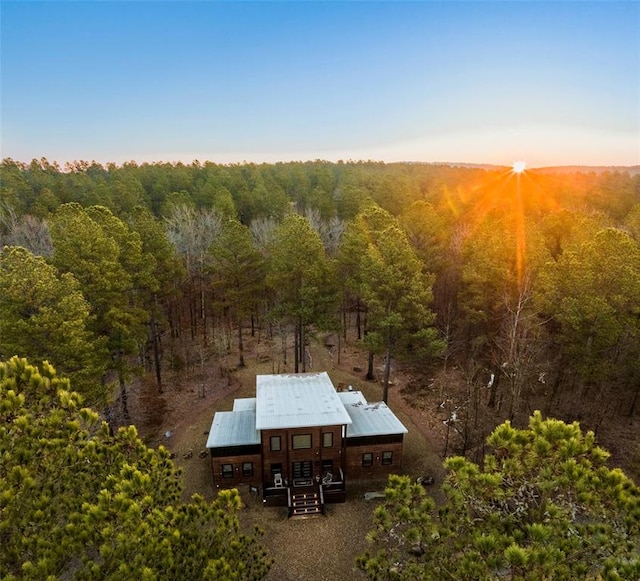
320 548
314 549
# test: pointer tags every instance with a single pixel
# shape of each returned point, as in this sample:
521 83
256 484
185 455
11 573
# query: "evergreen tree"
593 294
239 272
167 271
544 505
79 503
389 278
115 276
302 279
45 317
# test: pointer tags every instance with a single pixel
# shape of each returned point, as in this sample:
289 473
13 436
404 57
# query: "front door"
302 469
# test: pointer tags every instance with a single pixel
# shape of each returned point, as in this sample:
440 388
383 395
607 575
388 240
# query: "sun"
519 166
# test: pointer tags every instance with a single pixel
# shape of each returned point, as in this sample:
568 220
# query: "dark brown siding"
354 460
287 455
237 476
347 455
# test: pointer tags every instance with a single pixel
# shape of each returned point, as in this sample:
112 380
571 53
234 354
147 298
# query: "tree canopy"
390 280
530 279
77 502
44 316
544 505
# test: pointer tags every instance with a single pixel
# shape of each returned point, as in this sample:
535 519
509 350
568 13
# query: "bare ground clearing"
321 548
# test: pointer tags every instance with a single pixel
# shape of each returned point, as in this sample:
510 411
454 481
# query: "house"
299 440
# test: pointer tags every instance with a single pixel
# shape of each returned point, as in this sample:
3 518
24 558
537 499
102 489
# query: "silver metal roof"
298 400
244 403
236 428
369 419
352 397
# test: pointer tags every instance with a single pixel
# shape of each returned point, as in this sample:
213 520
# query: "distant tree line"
528 283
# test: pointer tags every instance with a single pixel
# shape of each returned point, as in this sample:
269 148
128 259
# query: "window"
367 459
387 458
327 440
227 471
301 441
247 468
276 444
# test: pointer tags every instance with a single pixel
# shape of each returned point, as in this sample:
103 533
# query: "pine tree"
79 503
45 317
302 279
388 277
239 272
543 506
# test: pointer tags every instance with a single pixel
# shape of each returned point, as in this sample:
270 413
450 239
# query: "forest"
529 284
518 291
499 292
521 288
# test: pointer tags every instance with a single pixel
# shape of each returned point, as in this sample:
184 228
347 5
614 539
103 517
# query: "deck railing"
322 509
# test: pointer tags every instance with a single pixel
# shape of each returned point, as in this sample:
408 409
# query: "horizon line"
196 160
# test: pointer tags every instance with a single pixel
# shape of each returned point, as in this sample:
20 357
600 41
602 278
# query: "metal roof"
352 397
236 428
298 400
369 419
244 403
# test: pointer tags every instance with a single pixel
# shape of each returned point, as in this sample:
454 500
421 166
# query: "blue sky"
483 82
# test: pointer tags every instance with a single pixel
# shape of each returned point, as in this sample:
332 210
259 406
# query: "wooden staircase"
306 504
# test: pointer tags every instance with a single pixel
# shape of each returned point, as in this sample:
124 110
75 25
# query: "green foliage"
593 292
299 272
239 272
543 506
384 272
168 271
116 276
567 329
632 222
79 503
45 317
238 267
390 278
427 233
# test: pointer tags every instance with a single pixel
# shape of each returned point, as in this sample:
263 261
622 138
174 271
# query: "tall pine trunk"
156 353
296 349
370 375
240 345
387 372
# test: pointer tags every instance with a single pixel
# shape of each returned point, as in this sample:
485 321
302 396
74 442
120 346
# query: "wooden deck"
305 496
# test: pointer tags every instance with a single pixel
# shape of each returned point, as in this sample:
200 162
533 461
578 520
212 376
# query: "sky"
550 83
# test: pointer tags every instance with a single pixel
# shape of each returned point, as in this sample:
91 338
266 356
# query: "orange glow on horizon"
513 194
